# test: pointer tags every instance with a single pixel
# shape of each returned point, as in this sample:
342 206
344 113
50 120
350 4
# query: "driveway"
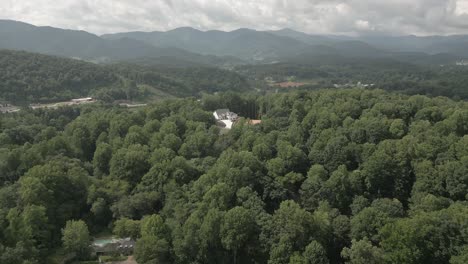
130 260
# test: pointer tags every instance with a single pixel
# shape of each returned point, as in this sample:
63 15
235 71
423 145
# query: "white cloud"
343 9
461 7
363 25
312 16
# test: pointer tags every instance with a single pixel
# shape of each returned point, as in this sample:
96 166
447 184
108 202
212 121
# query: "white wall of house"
215 114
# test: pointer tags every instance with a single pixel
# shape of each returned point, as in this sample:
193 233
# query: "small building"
82 100
123 246
289 84
255 122
129 105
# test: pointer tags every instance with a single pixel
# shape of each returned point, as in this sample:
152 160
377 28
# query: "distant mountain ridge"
83 45
189 46
70 43
455 44
242 43
287 43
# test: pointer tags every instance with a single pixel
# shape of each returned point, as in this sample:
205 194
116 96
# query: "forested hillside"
30 78
391 75
184 81
33 77
335 176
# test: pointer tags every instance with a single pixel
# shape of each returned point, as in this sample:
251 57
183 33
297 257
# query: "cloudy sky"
400 17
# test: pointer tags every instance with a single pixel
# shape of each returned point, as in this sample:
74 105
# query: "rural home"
114 246
225 118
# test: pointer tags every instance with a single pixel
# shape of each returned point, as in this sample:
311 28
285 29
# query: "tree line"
432 80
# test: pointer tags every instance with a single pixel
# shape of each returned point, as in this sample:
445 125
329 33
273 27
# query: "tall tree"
76 239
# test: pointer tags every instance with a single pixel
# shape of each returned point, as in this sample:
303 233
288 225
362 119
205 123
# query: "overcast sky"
401 17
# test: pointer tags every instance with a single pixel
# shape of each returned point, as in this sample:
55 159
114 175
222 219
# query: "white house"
225 117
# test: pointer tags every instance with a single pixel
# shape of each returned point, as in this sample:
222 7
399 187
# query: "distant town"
462 63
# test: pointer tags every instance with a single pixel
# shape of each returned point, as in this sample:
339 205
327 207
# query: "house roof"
115 245
255 122
222 111
106 248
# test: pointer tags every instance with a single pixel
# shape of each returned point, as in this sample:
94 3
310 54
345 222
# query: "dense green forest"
336 176
183 81
31 78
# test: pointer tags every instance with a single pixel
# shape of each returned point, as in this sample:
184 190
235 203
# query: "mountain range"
189 46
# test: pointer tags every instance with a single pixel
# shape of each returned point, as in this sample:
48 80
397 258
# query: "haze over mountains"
191 46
